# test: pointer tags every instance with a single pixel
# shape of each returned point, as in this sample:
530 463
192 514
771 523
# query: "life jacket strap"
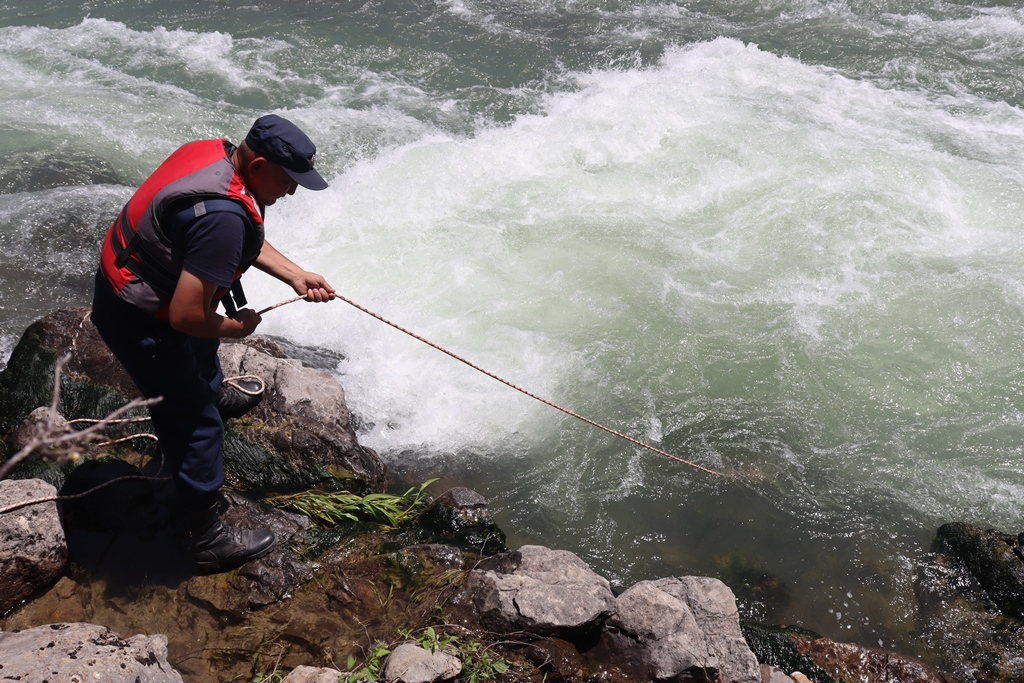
234 299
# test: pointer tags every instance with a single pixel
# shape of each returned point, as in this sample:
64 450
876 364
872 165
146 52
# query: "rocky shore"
102 587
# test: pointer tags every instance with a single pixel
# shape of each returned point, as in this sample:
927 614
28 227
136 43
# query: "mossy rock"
773 645
93 384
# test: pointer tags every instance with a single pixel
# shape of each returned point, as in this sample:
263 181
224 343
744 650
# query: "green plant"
330 508
478 664
370 670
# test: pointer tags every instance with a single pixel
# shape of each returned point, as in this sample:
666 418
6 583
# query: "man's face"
268 181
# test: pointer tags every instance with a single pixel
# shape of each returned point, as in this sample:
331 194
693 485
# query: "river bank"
328 595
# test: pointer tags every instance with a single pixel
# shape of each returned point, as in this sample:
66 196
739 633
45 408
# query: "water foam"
755 185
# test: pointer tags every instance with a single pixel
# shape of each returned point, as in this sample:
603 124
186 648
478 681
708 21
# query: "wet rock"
84 652
266 580
299 437
977 640
539 590
775 646
463 517
992 557
33 550
93 380
688 629
856 663
558 656
303 418
439 555
411 567
40 419
310 674
410 663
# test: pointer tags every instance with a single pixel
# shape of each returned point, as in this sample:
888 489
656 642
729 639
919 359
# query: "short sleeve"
213 247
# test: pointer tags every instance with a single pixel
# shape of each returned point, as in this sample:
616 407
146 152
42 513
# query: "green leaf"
351 662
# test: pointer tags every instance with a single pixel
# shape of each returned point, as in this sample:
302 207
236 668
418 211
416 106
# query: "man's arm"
305 283
191 311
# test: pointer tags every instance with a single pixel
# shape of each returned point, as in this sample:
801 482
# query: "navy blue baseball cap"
279 140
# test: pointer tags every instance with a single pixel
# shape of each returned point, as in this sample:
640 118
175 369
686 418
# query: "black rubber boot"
231 402
218 548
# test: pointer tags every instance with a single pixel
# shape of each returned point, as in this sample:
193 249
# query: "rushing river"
782 239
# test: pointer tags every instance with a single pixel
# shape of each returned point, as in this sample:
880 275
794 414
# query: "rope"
445 351
52 499
233 382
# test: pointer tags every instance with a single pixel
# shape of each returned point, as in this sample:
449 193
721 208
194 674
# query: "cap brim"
311 180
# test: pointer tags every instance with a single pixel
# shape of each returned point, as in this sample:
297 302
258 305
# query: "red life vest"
138 259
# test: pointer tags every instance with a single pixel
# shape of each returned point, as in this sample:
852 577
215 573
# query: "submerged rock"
854 663
84 652
992 557
965 590
822 660
463 517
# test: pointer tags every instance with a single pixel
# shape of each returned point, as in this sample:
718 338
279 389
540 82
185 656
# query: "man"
178 247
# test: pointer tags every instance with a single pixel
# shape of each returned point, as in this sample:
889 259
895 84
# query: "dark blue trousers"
186 372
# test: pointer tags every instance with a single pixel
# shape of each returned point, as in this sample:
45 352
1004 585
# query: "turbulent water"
781 239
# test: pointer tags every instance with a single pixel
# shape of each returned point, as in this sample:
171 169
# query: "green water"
780 239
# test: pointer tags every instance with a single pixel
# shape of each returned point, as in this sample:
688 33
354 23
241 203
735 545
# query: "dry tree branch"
54 439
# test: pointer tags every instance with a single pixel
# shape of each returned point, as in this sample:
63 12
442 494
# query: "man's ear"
257 165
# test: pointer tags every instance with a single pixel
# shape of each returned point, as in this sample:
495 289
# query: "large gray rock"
665 626
714 607
539 590
33 550
686 628
84 652
410 663
303 416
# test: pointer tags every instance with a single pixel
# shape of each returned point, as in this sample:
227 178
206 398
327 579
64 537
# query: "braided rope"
233 382
635 442
52 499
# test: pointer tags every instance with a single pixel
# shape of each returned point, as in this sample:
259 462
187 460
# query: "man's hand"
249 320
312 286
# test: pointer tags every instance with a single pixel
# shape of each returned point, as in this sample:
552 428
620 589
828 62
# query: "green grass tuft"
331 508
